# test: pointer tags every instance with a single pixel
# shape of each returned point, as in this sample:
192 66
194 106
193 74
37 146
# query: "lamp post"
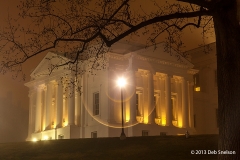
121 83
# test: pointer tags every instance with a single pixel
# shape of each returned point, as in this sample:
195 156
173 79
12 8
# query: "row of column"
184 101
50 107
147 106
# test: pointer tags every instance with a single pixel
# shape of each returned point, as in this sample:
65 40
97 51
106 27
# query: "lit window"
197 89
94 134
144 133
96 103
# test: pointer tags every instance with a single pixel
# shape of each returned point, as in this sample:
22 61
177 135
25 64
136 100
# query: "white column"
44 94
150 97
77 108
59 104
71 103
145 101
158 97
38 110
31 116
130 105
49 106
184 104
82 107
168 100
190 103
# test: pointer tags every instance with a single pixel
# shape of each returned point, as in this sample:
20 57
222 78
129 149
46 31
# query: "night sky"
14 95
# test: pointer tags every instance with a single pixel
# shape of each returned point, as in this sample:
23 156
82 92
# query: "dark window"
60 136
94 134
163 133
144 133
96 103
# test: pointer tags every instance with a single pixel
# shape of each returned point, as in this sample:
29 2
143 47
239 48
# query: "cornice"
116 56
145 58
192 71
163 62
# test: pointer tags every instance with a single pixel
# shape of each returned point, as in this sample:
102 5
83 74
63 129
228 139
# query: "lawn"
139 148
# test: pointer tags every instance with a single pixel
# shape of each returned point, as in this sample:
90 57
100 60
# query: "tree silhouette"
85 29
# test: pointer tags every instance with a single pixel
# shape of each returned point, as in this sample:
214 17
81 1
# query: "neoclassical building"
157 99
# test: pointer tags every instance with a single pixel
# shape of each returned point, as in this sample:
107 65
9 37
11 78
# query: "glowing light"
127 115
197 89
34 139
121 82
180 134
45 138
65 123
164 121
180 124
145 121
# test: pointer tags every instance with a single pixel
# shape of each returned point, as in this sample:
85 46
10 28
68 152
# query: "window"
96 103
144 133
94 134
60 136
196 82
163 133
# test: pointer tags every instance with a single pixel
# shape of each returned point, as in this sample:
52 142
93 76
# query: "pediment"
159 54
48 65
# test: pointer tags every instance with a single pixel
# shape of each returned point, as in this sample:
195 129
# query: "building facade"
205 95
157 99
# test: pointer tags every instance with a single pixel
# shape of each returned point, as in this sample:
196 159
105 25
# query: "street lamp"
121 83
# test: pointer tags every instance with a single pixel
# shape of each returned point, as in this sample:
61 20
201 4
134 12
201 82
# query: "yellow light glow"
65 123
34 139
180 134
197 89
145 121
127 114
164 121
180 123
45 138
121 82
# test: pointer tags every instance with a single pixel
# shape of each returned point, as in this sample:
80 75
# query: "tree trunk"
227 32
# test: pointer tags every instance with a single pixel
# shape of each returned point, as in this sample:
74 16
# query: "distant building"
159 97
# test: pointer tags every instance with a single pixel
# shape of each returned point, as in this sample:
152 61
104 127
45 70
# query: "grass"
139 148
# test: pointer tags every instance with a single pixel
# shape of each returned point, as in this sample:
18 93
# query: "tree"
86 28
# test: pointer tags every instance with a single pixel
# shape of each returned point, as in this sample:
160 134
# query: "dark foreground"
139 148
